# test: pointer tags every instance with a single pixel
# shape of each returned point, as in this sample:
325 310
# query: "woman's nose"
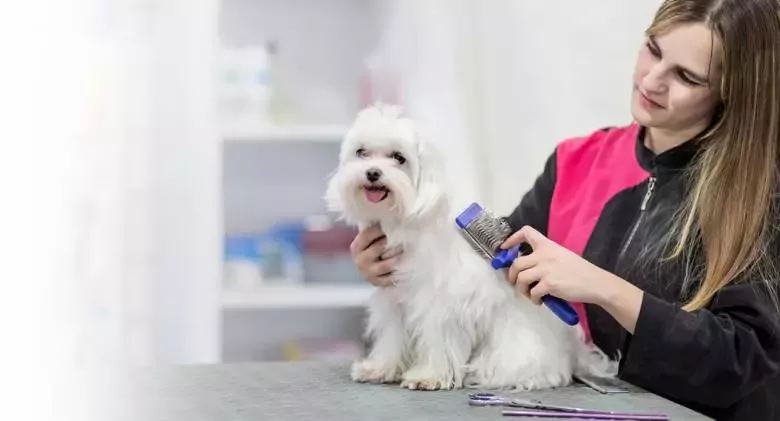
654 81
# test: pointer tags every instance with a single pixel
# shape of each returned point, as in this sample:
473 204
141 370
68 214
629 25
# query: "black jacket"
723 361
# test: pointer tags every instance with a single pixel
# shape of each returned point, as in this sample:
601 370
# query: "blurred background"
199 136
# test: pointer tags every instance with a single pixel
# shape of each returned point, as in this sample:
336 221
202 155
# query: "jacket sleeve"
534 208
713 356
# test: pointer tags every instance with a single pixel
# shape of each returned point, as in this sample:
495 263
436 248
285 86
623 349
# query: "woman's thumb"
527 234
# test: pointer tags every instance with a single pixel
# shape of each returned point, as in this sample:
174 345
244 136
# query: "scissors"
490 399
555 411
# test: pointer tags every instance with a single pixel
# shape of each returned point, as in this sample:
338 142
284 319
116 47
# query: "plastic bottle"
280 103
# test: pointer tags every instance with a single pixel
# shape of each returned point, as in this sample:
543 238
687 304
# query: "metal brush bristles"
486 233
478 248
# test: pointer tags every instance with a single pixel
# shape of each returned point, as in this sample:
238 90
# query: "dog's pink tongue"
374 196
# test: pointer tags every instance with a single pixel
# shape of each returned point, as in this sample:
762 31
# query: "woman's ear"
430 191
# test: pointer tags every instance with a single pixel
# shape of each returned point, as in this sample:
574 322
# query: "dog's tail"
591 360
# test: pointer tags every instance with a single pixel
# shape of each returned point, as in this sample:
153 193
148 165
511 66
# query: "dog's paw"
425 378
374 371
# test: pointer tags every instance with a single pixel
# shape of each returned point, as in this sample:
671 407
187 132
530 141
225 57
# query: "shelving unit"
304 296
279 173
314 133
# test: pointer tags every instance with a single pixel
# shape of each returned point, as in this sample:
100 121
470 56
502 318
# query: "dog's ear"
430 190
332 195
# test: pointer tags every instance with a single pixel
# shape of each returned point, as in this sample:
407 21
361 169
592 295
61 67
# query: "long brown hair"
731 209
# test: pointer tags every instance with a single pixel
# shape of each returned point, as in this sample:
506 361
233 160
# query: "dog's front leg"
385 361
441 351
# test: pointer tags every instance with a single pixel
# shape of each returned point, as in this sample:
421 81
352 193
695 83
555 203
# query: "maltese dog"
450 320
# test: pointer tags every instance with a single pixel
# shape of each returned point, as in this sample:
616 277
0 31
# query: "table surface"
321 391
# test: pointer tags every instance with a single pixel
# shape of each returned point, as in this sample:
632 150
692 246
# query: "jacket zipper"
642 207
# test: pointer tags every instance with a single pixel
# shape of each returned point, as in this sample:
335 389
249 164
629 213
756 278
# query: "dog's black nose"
373 174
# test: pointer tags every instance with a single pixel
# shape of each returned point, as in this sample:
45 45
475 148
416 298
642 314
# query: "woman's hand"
368 253
554 270
551 269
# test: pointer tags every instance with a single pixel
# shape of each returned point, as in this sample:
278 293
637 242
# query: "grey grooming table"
319 391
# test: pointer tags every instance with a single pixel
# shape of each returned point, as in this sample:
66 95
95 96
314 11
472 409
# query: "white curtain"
427 44
151 208
115 194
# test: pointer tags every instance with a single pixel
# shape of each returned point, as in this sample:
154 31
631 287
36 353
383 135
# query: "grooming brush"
486 232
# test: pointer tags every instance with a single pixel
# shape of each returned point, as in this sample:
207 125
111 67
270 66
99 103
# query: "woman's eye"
360 153
398 157
653 50
687 79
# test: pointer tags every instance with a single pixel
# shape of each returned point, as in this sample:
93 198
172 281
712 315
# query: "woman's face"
677 79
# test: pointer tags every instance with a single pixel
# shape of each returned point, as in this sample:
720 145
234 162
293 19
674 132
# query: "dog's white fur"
450 321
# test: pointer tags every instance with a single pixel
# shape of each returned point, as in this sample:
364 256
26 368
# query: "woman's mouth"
375 193
646 102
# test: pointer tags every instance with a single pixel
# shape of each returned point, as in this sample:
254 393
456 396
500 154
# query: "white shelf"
299 133
326 296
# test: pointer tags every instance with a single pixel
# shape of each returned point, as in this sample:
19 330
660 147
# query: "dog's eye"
360 153
398 157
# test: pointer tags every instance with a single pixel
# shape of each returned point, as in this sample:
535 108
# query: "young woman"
665 232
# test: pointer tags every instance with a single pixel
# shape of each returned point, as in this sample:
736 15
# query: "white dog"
450 320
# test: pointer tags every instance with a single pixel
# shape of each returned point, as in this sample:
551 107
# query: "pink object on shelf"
335 240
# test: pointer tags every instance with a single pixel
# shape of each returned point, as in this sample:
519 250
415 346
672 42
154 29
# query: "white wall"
501 82
184 163
427 43
550 70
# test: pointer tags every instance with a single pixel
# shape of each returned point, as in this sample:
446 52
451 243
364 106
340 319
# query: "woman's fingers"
365 239
526 278
384 267
520 264
390 253
538 291
366 260
384 280
525 235
368 256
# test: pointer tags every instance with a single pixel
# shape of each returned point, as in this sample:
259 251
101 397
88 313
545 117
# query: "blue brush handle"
559 307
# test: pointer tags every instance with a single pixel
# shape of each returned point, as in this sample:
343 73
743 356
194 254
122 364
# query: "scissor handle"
484 399
482 395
